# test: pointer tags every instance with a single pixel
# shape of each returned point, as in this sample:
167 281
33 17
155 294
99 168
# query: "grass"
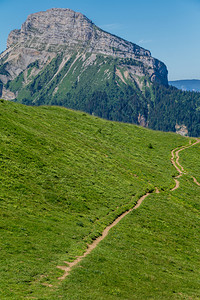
64 177
153 253
190 158
148 248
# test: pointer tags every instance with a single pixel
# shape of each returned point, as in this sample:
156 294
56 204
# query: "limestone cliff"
45 34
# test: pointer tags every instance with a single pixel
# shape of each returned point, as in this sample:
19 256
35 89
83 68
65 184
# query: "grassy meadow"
153 253
64 177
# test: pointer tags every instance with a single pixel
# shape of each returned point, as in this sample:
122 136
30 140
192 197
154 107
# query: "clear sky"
169 29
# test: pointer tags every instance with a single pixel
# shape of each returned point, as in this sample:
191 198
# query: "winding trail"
68 268
179 168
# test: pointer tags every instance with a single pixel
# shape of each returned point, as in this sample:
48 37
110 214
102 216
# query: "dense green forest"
173 106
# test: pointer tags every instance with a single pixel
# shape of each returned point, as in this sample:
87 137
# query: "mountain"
187 85
59 57
76 39
65 176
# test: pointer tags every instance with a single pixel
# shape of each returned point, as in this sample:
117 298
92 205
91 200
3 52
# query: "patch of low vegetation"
64 177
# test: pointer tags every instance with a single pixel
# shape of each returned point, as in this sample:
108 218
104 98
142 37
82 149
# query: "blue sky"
169 29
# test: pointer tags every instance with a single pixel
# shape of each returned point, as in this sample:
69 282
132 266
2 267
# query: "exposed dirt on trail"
179 168
195 181
68 268
177 184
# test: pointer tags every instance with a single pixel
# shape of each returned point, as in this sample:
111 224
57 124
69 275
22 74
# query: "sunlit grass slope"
64 176
153 253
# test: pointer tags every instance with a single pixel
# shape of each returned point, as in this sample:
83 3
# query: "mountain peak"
55 26
57 29
68 34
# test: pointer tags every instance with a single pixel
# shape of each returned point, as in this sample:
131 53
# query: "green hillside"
85 83
65 176
153 253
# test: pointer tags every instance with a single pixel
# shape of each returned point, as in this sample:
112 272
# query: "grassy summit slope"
64 176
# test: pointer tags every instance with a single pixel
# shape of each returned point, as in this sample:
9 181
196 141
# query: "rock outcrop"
181 129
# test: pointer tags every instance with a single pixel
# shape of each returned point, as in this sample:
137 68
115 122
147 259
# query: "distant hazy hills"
187 85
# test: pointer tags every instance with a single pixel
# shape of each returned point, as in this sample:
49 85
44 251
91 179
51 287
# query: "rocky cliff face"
45 34
58 29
